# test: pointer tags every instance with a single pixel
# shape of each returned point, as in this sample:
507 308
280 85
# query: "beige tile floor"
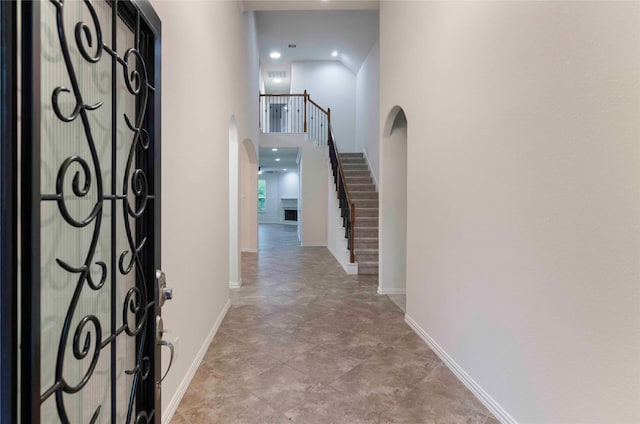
400 300
305 343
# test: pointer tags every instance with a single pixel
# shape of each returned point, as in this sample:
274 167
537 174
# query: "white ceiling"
316 34
311 4
287 156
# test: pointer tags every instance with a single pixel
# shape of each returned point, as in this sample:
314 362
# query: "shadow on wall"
234 206
393 204
248 197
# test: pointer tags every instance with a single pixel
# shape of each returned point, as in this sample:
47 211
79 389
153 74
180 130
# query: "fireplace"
290 215
290 210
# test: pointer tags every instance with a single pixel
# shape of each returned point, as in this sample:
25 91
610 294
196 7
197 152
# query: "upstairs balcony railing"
294 114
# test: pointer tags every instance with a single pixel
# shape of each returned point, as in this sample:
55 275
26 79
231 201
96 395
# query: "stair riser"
360 257
366 244
367 212
355 167
365 203
368 269
366 223
359 180
358 173
363 195
366 232
361 187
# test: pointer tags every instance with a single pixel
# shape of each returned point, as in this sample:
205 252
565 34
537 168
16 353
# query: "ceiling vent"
293 46
277 74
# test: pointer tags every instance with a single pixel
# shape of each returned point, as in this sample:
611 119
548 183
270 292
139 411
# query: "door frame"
30 195
8 214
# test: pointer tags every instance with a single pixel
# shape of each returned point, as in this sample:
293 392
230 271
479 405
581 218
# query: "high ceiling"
287 156
311 4
315 34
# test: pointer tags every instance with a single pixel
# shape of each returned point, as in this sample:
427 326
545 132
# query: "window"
262 195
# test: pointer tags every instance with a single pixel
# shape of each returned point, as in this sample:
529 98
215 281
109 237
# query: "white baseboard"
313 244
235 284
391 290
247 250
348 267
167 414
484 397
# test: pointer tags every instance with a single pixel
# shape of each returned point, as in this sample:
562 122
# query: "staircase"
364 196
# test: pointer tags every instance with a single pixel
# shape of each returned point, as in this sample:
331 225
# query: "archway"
235 279
248 197
393 205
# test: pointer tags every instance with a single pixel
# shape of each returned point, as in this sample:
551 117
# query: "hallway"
303 342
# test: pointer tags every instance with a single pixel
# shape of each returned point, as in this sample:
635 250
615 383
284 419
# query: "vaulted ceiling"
312 35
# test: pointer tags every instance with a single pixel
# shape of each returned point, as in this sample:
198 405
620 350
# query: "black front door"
90 214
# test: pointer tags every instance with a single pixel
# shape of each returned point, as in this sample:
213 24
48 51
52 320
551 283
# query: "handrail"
341 182
281 95
318 106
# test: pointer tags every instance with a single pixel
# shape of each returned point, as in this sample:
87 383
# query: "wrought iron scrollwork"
87 339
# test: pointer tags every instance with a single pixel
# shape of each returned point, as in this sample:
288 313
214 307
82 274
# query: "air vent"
293 46
277 74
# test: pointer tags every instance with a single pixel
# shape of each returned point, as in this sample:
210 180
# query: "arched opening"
248 197
235 279
393 207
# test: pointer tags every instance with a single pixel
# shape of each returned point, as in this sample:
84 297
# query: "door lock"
167 293
164 293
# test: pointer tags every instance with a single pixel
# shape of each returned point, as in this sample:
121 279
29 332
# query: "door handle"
172 350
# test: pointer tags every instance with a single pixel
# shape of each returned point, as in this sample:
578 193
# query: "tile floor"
305 343
400 300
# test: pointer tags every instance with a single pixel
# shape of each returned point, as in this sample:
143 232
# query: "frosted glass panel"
83 218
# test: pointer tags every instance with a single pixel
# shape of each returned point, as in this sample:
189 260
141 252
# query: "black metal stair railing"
347 207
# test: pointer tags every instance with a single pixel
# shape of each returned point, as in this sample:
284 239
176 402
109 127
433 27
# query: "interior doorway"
279 187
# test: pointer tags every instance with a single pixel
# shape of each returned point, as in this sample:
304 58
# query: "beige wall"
523 196
393 217
313 196
368 110
200 92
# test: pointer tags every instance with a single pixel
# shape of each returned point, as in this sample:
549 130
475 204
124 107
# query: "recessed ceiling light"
277 159
284 169
334 53
275 149
277 80
275 55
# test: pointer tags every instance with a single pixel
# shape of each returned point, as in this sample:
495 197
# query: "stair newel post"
305 110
